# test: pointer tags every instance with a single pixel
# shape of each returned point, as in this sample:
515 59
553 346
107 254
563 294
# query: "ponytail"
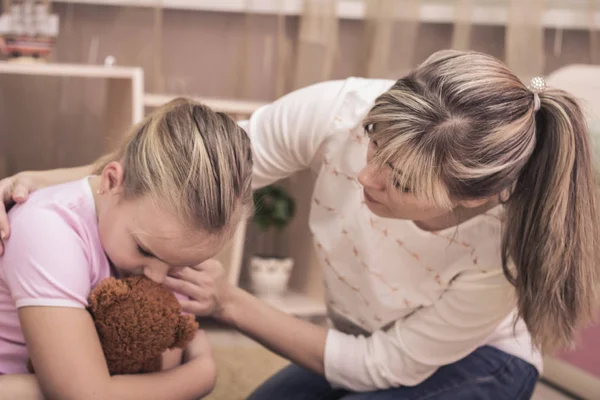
551 235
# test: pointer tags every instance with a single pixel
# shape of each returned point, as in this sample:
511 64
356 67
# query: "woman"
454 215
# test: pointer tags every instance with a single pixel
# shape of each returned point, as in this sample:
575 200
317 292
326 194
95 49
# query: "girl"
454 215
178 189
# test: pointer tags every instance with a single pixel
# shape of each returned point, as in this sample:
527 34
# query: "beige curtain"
317 42
463 14
594 40
243 69
264 53
158 77
283 54
389 39
524 40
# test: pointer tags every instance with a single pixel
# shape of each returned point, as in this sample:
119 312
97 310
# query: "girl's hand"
22 387
207 287
198 352
13 189
198 348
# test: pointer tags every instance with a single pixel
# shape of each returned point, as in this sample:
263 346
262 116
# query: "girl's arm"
65 350
171 359
22 387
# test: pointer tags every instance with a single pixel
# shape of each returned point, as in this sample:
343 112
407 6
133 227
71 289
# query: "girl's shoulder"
71 202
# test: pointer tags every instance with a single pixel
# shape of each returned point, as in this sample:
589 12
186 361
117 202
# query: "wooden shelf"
125 83
298 304
570 378
234 107
50 118
567 14
73 70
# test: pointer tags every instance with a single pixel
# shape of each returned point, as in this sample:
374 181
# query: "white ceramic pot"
270 276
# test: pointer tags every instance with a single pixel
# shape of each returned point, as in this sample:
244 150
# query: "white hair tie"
537 86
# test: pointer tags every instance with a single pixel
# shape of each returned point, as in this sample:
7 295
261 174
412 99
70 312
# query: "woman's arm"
289 134
405 354
58 176
294 339
69 362
299 341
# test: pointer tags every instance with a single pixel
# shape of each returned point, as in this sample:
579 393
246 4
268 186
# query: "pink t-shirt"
53 258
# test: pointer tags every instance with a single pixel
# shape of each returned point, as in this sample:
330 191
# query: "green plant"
274 208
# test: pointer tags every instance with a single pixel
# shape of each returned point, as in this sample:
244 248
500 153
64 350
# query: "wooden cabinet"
61 115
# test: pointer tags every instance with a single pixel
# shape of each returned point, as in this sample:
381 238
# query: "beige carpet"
242 366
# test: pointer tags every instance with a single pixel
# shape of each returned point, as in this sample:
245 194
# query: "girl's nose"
157 273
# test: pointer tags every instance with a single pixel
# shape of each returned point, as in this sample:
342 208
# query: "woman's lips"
369 198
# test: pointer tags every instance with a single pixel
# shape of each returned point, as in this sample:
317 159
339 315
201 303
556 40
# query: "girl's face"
387 199
140 237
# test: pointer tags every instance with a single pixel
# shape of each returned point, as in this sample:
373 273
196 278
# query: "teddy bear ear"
184 331
107 292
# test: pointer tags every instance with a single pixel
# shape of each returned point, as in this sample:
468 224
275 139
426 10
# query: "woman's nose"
370 177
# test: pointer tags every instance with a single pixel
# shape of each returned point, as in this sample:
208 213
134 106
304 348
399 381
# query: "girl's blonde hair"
462 126
190 158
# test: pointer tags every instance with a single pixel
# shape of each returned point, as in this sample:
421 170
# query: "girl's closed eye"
143 251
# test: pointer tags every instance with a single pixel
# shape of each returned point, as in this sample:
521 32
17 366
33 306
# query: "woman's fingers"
20 193
197 308
6 185
12 190
183 287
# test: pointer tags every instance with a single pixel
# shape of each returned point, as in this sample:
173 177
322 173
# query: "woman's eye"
399 186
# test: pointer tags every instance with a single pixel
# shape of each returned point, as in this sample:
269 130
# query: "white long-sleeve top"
403 301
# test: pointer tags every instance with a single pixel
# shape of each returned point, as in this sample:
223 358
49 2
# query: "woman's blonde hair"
190 158
462 126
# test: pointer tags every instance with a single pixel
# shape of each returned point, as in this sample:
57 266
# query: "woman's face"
386 198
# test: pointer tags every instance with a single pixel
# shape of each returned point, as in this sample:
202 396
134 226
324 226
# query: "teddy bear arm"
184 331
109 291
152 365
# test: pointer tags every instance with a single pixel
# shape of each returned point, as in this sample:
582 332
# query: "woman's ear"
473 203
112 178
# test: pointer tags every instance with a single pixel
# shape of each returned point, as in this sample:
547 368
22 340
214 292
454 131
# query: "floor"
544 392
233 350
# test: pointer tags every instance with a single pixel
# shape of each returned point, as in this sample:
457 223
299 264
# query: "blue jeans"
486 374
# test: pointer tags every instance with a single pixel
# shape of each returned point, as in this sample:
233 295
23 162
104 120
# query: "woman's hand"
13 189
207 287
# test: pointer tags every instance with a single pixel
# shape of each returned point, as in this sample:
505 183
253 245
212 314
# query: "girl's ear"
112 178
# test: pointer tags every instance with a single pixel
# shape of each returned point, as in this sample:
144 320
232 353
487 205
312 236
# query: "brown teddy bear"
137 320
